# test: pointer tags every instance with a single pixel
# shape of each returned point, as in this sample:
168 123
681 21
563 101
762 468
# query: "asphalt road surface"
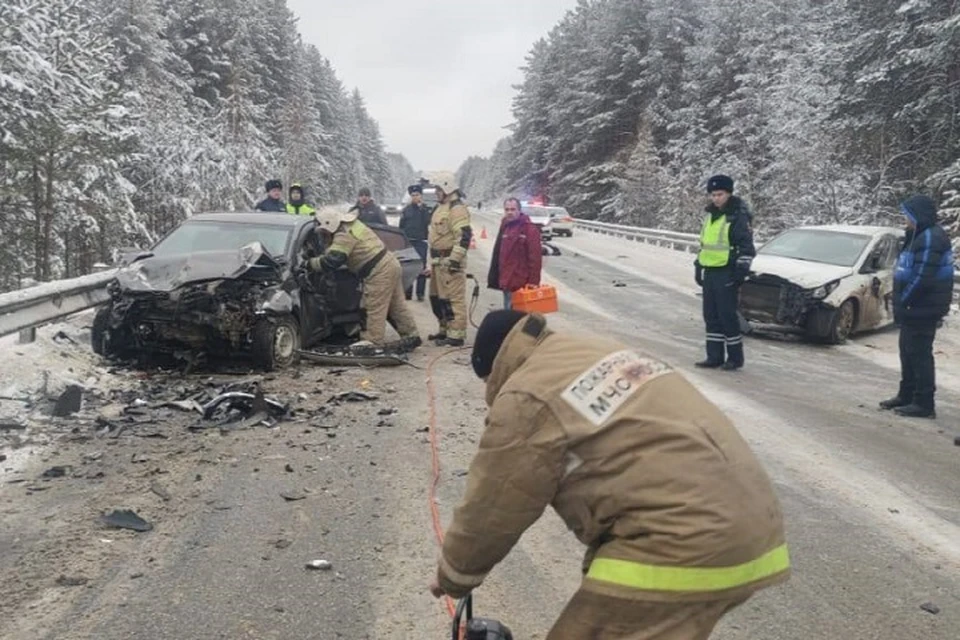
872 503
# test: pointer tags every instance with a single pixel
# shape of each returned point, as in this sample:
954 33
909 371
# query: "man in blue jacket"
923 290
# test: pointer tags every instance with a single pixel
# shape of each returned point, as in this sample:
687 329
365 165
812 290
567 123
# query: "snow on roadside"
39 372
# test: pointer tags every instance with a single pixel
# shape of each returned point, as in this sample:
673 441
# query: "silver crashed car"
825 282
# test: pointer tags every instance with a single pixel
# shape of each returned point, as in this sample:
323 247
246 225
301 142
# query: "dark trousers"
720 300
421 247
917 369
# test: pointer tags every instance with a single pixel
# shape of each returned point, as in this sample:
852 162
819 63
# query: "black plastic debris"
55 472
956 441
126 519
69 401
618 283
387 412
293 496
352 396
65 581
9 424
246 404
929 607
60 336
3 457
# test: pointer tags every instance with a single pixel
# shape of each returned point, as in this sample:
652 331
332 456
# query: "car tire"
276 342
842 322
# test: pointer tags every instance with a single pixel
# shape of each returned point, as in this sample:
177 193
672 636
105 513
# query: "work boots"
440 335
709 364
921 407
893 403
410 343
449 342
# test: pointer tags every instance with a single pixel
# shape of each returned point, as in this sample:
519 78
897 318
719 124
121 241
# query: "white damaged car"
825 282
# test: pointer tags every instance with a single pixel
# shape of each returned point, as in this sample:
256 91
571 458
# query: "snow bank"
59 357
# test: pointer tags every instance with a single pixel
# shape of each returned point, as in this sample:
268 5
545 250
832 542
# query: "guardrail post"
27 335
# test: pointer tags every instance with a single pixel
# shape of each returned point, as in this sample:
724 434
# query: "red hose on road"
435 460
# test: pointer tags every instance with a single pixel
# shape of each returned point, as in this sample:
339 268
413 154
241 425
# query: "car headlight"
822 292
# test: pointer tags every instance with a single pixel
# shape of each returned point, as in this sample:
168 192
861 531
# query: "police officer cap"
414 188
720 183
274 184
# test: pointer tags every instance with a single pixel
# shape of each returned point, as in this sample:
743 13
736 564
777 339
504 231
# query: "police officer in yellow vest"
680 520
726 252
449 240
354 244
296 204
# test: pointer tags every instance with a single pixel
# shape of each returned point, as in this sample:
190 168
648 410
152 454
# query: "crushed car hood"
807 275
168 273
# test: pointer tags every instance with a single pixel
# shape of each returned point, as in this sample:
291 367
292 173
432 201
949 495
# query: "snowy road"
871 502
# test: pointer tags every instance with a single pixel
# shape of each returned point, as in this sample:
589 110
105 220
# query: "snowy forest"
120 119
822 110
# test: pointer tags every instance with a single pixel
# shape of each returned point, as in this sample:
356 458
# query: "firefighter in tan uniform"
449 240
680 520
354 244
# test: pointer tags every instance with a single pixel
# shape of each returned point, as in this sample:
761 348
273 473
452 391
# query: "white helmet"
445 181
329 218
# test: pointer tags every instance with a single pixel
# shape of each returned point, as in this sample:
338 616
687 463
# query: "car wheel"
276 342
843 322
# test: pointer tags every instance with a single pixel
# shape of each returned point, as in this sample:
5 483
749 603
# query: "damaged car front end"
825 283
772 302
214 302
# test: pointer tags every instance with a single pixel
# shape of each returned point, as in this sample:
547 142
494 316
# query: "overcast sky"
436 74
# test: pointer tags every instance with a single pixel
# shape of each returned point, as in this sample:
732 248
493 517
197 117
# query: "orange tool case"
535 299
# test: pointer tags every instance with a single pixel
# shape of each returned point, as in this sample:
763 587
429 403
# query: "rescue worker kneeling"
681 521
354 244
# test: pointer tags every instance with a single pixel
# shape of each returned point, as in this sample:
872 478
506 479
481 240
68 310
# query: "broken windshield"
827 247
197 237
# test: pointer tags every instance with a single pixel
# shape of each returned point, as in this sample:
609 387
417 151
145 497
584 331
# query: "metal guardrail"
26 309
689 242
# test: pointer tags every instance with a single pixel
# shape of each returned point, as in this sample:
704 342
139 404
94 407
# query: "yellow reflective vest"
301 210
714 242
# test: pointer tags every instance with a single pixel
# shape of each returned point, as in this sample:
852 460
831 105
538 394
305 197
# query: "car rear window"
194 237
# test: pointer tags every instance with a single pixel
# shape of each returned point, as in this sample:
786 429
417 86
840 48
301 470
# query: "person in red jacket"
517 253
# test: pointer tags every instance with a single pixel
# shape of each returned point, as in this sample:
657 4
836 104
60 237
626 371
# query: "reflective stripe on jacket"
358 243
450 229
649 474
714 242
302 209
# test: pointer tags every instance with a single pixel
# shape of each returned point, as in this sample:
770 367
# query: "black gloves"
698 273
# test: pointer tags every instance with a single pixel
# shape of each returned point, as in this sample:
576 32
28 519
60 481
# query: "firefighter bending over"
355 245
680 520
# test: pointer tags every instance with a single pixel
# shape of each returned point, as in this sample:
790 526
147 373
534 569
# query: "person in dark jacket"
922 292
726 253
274 200
517 254
370 211
415 224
